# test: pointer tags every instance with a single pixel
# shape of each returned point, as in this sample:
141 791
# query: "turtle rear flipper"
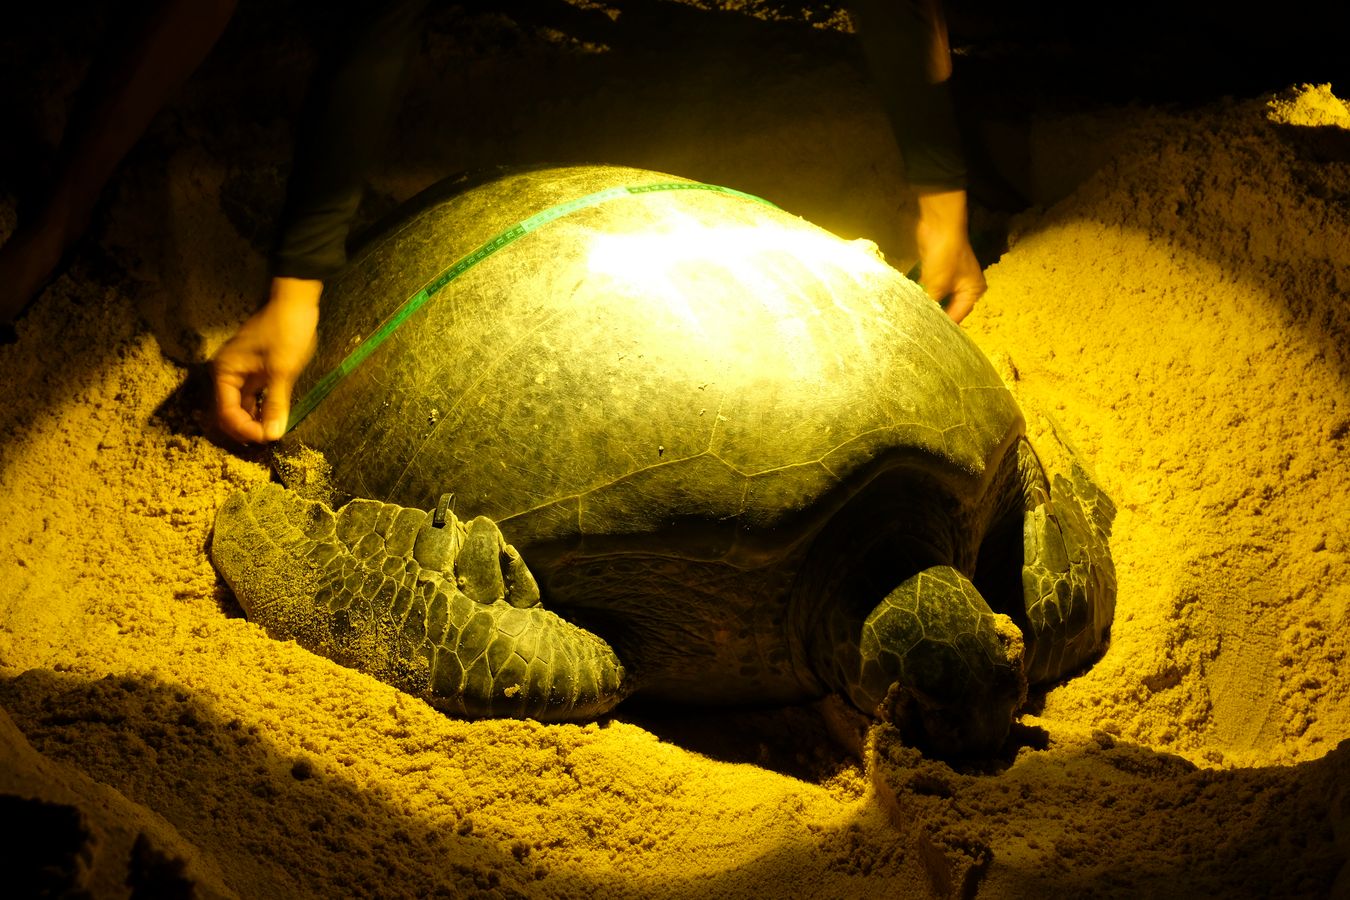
377 587
1068 579
933 658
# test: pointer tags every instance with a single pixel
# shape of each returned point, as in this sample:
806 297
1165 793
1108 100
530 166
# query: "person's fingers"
937 287
958 288
960 304
235 400
243 428
229 400
238 424
276 408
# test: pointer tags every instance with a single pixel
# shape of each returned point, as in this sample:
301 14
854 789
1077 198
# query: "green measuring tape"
328 382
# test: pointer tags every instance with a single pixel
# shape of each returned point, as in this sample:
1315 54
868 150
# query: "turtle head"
959 699
932 658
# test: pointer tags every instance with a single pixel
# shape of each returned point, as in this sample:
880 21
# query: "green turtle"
699 450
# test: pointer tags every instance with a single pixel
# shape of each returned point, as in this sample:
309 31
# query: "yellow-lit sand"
1181 318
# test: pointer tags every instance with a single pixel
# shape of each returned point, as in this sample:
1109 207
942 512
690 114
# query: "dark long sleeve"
352 102
905 45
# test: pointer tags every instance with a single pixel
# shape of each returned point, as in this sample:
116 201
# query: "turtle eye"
313 518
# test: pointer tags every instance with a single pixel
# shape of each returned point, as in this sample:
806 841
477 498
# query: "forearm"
905 45
942 210
348 113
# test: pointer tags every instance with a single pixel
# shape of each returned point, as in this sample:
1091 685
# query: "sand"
1179 316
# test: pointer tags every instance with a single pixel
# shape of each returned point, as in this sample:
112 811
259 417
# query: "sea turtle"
746 460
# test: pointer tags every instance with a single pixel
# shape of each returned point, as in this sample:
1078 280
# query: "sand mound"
1180 319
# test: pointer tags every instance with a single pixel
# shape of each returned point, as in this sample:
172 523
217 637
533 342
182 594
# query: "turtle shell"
663 396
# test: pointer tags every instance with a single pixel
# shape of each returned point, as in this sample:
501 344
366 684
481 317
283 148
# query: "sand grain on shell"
1180 318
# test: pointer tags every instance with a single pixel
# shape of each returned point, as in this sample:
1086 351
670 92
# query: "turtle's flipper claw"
489 569
477 559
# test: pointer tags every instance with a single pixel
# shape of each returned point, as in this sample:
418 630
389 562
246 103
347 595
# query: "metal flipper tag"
443 510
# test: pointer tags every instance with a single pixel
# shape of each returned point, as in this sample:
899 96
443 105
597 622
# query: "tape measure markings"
325 385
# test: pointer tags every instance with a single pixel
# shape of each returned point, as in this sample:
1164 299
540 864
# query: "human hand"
948 268
260 364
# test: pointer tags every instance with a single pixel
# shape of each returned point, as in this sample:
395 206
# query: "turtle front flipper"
446 612
1068 579
933 658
